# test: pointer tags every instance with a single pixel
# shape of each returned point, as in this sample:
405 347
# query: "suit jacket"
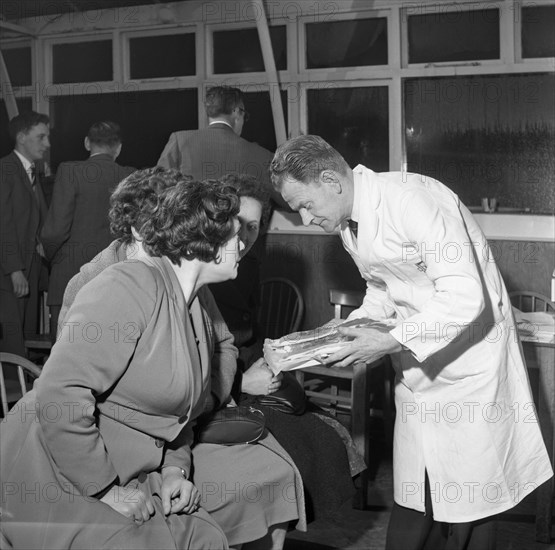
20 219
116 399
77 225
212 152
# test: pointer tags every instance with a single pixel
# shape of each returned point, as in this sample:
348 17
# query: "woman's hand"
129 501
178 493
258 379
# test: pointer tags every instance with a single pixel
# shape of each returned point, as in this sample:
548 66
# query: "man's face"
34 144
318 203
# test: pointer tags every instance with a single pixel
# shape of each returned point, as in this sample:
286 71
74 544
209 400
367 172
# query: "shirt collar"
221 122
27 164
357 177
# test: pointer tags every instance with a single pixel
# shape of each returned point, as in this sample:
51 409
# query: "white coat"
465 413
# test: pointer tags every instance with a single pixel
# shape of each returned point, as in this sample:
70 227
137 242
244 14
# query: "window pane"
354 121
82 62
147 119
346 43
161 56
240 52
485 136
538 31
454 36
18 63
260 127
6 143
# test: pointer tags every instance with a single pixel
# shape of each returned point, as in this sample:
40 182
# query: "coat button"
142 477
159 443
182 419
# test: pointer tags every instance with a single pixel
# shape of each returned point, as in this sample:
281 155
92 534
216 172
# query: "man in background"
22 212
77 226
213 152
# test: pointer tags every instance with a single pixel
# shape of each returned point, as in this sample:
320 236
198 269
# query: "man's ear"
331 179
20 138
88 144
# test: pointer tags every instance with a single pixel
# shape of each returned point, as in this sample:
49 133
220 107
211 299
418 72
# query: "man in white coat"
467 444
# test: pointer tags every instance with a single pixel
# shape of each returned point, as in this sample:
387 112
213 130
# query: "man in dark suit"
215 152
77 226
22 211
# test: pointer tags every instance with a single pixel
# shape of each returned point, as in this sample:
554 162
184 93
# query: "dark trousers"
19 316
412 530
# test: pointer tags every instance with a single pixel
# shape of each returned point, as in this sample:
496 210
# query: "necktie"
353 226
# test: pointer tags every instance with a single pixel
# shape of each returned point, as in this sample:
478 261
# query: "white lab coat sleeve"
434 224
376 303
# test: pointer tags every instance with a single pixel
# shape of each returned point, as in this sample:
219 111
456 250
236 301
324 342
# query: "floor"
351 529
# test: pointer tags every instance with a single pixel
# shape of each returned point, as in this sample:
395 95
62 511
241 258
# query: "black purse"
289 399
232 426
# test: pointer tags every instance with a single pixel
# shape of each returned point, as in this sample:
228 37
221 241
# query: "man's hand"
260 380
178 494
368 346
129 501
19 283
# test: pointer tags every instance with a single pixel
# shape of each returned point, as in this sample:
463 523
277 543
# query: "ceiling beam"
16 28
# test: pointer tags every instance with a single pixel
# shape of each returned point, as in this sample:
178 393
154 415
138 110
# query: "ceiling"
11 10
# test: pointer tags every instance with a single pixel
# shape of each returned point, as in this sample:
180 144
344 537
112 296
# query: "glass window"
147 119
346 43
162 56
353 120
18 63
239 51
461 35
260 127
6 143
538 31
485 136
82 62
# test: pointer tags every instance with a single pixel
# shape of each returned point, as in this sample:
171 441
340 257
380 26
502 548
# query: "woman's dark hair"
136 198
175 215
249 186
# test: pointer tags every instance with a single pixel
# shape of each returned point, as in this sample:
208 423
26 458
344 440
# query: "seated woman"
320 446
225 476
104 437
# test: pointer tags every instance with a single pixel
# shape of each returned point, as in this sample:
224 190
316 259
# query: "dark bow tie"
353 226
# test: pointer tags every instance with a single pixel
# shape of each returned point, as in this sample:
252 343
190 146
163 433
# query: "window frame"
126 36
349 16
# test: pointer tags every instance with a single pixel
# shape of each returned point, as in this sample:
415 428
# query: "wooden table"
541 356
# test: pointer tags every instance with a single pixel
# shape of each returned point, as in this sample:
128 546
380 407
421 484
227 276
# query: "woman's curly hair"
137 196
251 187
175 215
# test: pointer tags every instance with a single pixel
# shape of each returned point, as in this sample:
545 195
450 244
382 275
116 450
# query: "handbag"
232 426
289 399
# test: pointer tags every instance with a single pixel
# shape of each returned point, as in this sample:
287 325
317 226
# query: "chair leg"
360 426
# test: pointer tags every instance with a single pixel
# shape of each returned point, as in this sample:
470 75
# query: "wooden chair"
281 307
40 344
10 389
531 301
324 388
540 357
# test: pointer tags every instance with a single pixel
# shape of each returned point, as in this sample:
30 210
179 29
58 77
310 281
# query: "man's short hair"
105 133
221 100
24 122
304 158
